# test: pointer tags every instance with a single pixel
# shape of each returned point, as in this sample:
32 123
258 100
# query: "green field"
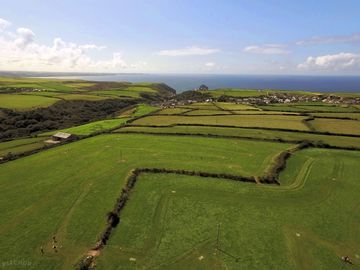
143 109
337 126
96 126
206 112
25 102
348 115
105 125
115 93
81 97
21 145
37 92
174 111
235 107
266 121
72 199
338 141
296 107
236 92
299 225
188 220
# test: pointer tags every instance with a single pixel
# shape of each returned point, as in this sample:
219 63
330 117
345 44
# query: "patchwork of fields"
28 93
190 209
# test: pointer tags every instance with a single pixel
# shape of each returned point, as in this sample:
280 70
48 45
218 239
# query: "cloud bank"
333 62
19 50
4 24
188 51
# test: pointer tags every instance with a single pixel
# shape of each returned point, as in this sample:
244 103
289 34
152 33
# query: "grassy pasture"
173 111
115 93
232 92
309 222
96 126
140 89
43 93
235 107
349 115
143 109
107 124
202 106
207 112
21 145
70 188
282 108
38 83
139 110
339 141
303 107
264 112
336 126
25 102
81 97
326 108
267 121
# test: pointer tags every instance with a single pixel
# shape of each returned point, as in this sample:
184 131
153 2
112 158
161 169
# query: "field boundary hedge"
271 176
315 144
114 216
263 128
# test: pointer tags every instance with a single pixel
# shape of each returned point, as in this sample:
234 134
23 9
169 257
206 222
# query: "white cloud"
353 38
193 50
25 37
4 24
334 62
267 49
20 51
210 64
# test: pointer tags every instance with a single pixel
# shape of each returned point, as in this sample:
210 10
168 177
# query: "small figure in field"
346 259
41 250
54 248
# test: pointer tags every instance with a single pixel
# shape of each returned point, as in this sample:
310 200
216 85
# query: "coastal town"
267 97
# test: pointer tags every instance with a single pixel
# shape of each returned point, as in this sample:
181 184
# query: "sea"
183 82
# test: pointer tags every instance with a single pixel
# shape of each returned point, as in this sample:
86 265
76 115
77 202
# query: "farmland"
105 162
29 93
204 185
258 224
22 102
265 121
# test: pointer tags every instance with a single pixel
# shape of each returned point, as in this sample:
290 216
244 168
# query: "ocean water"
182 82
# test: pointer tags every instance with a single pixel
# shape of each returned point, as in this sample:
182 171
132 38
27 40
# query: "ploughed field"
190 211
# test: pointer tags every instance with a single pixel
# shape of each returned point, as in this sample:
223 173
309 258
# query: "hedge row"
113 217
263 128
306 122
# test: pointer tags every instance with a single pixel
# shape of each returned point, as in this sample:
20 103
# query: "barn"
60 137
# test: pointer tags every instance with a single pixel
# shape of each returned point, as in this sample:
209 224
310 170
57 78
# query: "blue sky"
198 36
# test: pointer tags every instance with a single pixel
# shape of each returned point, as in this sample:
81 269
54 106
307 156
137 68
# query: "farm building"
60 137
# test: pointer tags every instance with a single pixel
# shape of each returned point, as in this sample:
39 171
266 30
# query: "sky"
305 37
